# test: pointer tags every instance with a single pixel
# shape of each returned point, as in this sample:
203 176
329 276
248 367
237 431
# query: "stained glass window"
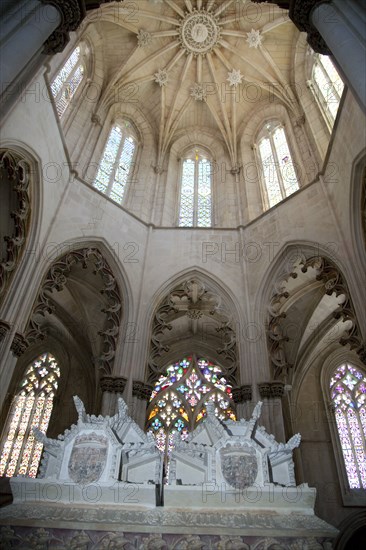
327 86
67 81
348 394
178 402
32 407
278 171
116 165
195 206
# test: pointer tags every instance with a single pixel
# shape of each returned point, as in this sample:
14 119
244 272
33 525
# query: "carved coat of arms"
239 465
88 457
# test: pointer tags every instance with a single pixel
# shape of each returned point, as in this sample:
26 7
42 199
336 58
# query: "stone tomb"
235 464
228 479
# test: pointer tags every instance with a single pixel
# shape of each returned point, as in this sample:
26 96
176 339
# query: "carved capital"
113 384
19 344
271 390
72 13
242 394
141 390
264 390
277 389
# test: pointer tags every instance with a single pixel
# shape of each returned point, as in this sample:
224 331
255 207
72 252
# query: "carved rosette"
72 13
113 384
56 279
141 390
17 172
242 394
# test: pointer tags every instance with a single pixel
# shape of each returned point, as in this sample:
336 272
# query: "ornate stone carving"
277 389
144 38
161 77
18 345
239 465
113 384
141 390
334 283
72 13
199 32
235 77
193 299
198 92
17 171
264 390
88 458
56 279
242 393
254 38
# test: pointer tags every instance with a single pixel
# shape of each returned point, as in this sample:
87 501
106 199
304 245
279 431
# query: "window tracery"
117 161
68 80
179 399
276 164
327 87
31 408
195 205
348 394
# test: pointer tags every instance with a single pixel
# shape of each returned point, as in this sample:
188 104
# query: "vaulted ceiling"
189 63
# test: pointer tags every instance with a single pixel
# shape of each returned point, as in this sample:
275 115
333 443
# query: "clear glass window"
67 81
277 167
327 87
195 205
116 165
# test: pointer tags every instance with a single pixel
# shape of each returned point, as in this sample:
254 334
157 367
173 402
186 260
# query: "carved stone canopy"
311 305
14 172
109 314
195 313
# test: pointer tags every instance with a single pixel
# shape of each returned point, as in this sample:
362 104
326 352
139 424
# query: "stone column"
342 25
242 397
141 394
30 28
35 22
271 394
112 388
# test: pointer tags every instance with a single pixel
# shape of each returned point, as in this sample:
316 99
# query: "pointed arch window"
178 402
31 407
327 87
195 201
276 164
68 80
116 166
348 395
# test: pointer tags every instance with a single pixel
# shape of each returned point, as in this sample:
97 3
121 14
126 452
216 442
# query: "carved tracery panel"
15 203
193 314
56 279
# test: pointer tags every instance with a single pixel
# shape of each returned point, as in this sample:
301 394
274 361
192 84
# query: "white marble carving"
112 454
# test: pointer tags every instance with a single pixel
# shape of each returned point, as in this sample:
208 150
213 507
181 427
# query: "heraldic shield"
88 458
239 465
